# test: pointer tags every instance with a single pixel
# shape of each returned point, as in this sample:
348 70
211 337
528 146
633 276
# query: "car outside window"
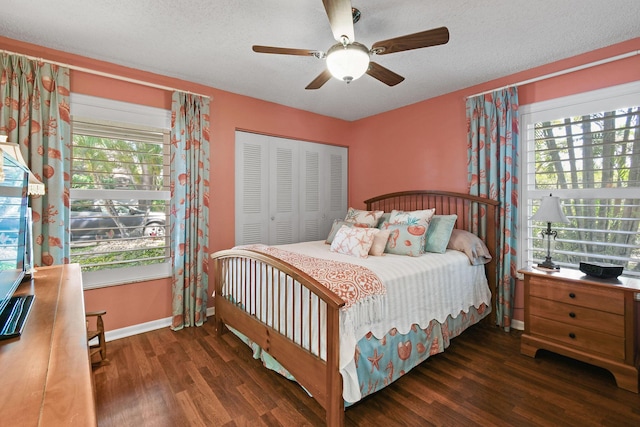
119 200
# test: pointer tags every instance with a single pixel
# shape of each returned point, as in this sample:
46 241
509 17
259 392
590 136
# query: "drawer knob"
572 315
572 335
572 295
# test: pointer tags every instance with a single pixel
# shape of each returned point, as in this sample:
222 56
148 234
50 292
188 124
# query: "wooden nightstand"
585 318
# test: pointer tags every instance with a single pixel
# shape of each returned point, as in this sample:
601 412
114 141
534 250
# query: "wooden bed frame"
237 271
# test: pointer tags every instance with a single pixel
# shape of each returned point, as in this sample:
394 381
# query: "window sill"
124 276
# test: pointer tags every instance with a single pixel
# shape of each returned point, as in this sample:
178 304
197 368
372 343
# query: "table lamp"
550 210
36 187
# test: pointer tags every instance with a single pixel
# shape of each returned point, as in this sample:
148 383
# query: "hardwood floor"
193 378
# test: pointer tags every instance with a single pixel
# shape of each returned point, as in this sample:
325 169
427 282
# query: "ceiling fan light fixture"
348 62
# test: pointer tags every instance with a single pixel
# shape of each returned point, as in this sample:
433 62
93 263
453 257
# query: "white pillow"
422 217
363 217
337 223
354 241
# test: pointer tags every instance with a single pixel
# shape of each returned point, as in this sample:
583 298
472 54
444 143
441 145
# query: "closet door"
287 190
323 176
335 187
311 215
284 190
252 188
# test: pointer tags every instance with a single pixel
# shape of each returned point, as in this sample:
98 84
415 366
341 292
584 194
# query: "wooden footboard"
289 314
295 319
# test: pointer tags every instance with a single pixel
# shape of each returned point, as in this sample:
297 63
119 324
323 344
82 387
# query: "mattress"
418 290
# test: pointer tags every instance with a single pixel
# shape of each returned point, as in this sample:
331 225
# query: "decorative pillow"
405 239
471 245
412 218
363 217
379 243
354 241
384 218
439 232
337 223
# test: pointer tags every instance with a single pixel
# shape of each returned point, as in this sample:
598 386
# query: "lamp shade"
550 210
35 185
348 62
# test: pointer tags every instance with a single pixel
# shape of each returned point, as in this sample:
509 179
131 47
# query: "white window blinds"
588 154
119 198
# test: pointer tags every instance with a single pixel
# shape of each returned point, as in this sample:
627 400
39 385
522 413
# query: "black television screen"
13 232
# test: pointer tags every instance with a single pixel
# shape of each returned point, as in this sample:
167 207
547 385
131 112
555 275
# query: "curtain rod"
560 73
103 74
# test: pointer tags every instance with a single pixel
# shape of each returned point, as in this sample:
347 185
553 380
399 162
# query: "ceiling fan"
348 60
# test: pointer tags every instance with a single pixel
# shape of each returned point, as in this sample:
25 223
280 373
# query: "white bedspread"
419 289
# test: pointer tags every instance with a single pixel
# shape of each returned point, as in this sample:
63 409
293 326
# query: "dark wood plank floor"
193 378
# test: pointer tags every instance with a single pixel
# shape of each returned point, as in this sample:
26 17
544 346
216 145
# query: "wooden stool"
101 347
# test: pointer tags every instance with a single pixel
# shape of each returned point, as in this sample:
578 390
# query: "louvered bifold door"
311 215
334 179
287 190
284 192
252 188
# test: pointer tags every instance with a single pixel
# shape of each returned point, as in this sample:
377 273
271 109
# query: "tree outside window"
119 196
592 162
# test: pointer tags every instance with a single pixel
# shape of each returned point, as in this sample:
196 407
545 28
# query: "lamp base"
549 264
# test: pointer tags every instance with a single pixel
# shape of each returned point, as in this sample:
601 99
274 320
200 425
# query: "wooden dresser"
585 318
45 375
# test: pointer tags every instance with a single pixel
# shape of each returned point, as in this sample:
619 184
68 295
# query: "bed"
331 342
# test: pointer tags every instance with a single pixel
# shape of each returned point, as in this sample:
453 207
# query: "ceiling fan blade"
383 74
340 18
427 38
285 50
320 80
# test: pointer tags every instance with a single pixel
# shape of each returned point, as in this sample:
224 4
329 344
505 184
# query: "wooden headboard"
465 206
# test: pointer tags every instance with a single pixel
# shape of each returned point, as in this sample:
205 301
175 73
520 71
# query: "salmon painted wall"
137 303
421 146
424 146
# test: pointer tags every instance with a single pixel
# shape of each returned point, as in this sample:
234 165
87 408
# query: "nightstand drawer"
582 317
602 299
579 338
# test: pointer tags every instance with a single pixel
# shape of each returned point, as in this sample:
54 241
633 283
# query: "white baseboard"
517 324
144 327
166 322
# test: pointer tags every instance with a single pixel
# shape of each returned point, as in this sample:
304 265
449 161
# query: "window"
586 150
119 199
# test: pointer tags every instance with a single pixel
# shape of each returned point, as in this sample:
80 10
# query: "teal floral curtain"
493 135
34 112
189 208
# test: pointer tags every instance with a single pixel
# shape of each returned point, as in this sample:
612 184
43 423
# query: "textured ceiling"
209 42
